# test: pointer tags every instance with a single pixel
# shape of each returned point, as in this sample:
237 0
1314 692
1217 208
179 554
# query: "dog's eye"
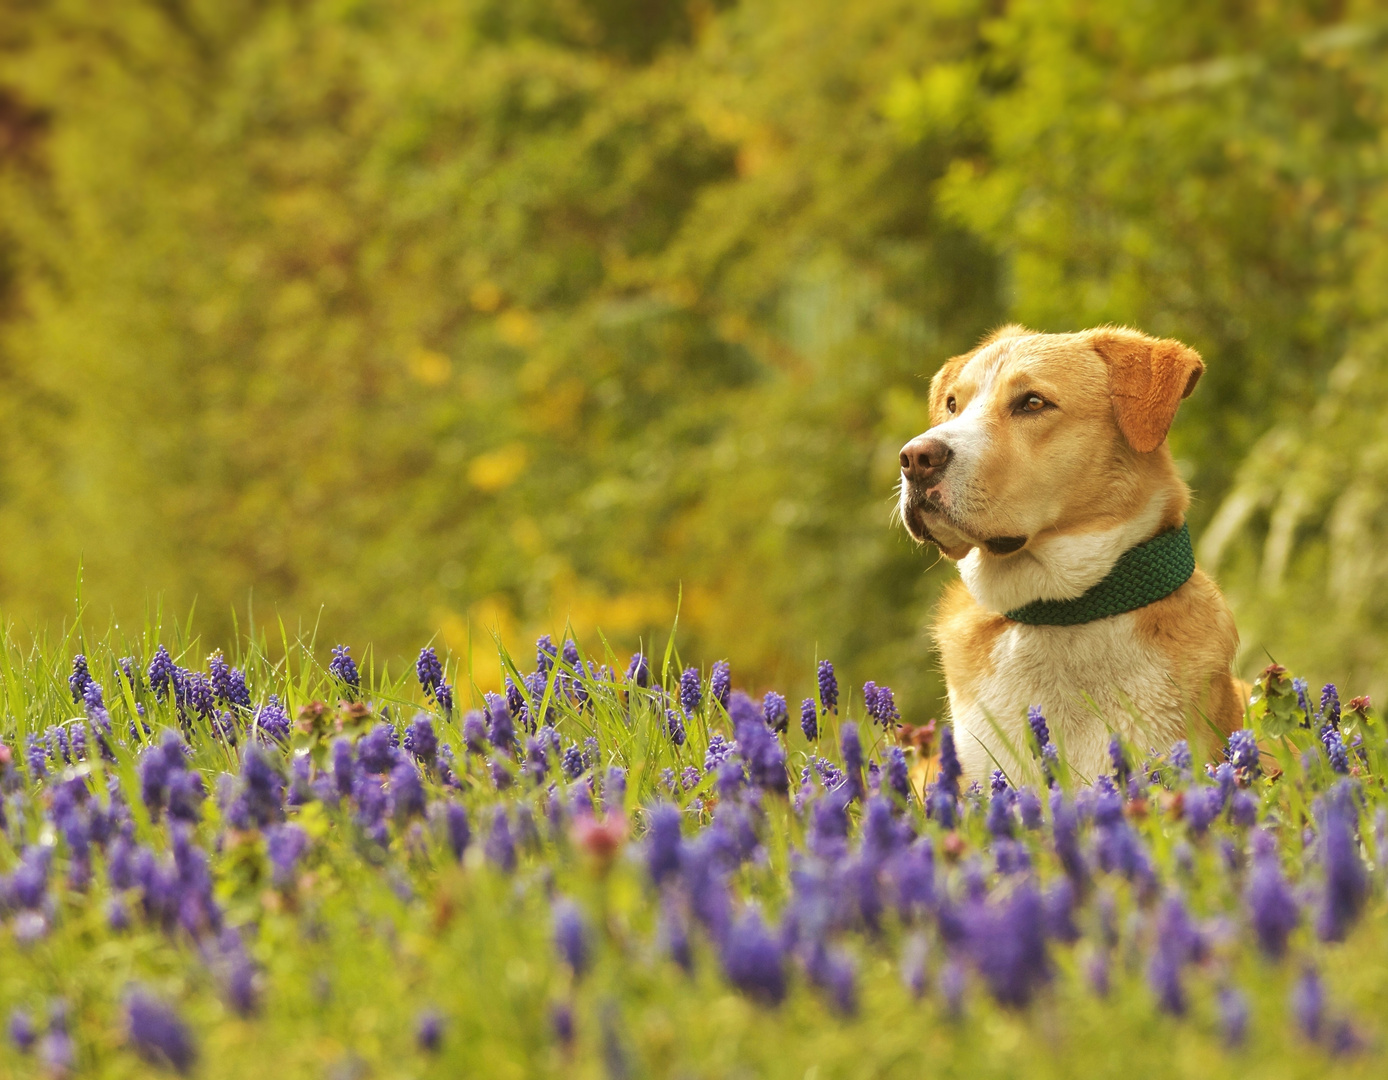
1031 403
949 403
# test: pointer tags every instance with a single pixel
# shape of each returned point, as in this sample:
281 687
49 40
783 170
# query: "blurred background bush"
445 316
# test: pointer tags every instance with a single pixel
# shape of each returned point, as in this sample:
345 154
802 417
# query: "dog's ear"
1147 379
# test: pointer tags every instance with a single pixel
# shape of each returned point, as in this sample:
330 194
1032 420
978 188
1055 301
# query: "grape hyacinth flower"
272 721
429 670
1330 706
158 1035
880 704
674 724
720 682
1242 753
774 712
502 731
1233 1016
571 937
344 669
1346 881
753 961
22 1031
1308 1004
639 670
545 652
898 775
285 845
228 683
1272 906
80 677
1121 767
457 831
1335 751
691 692
1303 698
950 769
828 687
663 843
500 847
852 750
809 719
428 1031
163 674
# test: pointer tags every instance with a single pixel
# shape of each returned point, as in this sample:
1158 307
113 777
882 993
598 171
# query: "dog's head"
1037 434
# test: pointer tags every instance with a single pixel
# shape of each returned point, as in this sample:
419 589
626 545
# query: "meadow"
284 859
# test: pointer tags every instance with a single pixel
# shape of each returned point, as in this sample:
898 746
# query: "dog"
1045 474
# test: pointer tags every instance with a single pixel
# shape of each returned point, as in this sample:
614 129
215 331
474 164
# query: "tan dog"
1045 463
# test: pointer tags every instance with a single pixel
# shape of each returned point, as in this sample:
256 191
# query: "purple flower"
22 1032
36 757
809 719
1233 1016
228 683
758 747
158 1035
1242 752
1039 730
1330 706
720 682
80 677
1335 750
285 845
545 652
674 724
273 721
639 670
571 937
572 762
898 775
1008 945
691 694
828 687
561 1019
1303 700
719 749
950 770
852 750
880 704
1346 881
774 711
1308 1004
1176 943
475 732
428 1031
1243 810
753 961
1119 760
500 847
163 674
1029 806
429 670
1272 906
502 731
261 798
570 653
344 669
457 830
664 843
406 791
420 739
1065 829
1180 755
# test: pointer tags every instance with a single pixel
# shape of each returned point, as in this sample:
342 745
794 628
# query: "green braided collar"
1141 576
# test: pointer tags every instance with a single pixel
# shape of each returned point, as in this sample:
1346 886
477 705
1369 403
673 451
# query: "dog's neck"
1059 567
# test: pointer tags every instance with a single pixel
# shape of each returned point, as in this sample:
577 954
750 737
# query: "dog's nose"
924 458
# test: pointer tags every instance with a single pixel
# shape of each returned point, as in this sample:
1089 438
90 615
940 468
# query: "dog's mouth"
921 511
1005 545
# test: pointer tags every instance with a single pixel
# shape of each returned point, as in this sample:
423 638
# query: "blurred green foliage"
446 316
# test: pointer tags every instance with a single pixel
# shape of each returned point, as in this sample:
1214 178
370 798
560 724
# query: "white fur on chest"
1059 668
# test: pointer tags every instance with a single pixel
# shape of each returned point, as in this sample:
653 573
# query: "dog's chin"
929 526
